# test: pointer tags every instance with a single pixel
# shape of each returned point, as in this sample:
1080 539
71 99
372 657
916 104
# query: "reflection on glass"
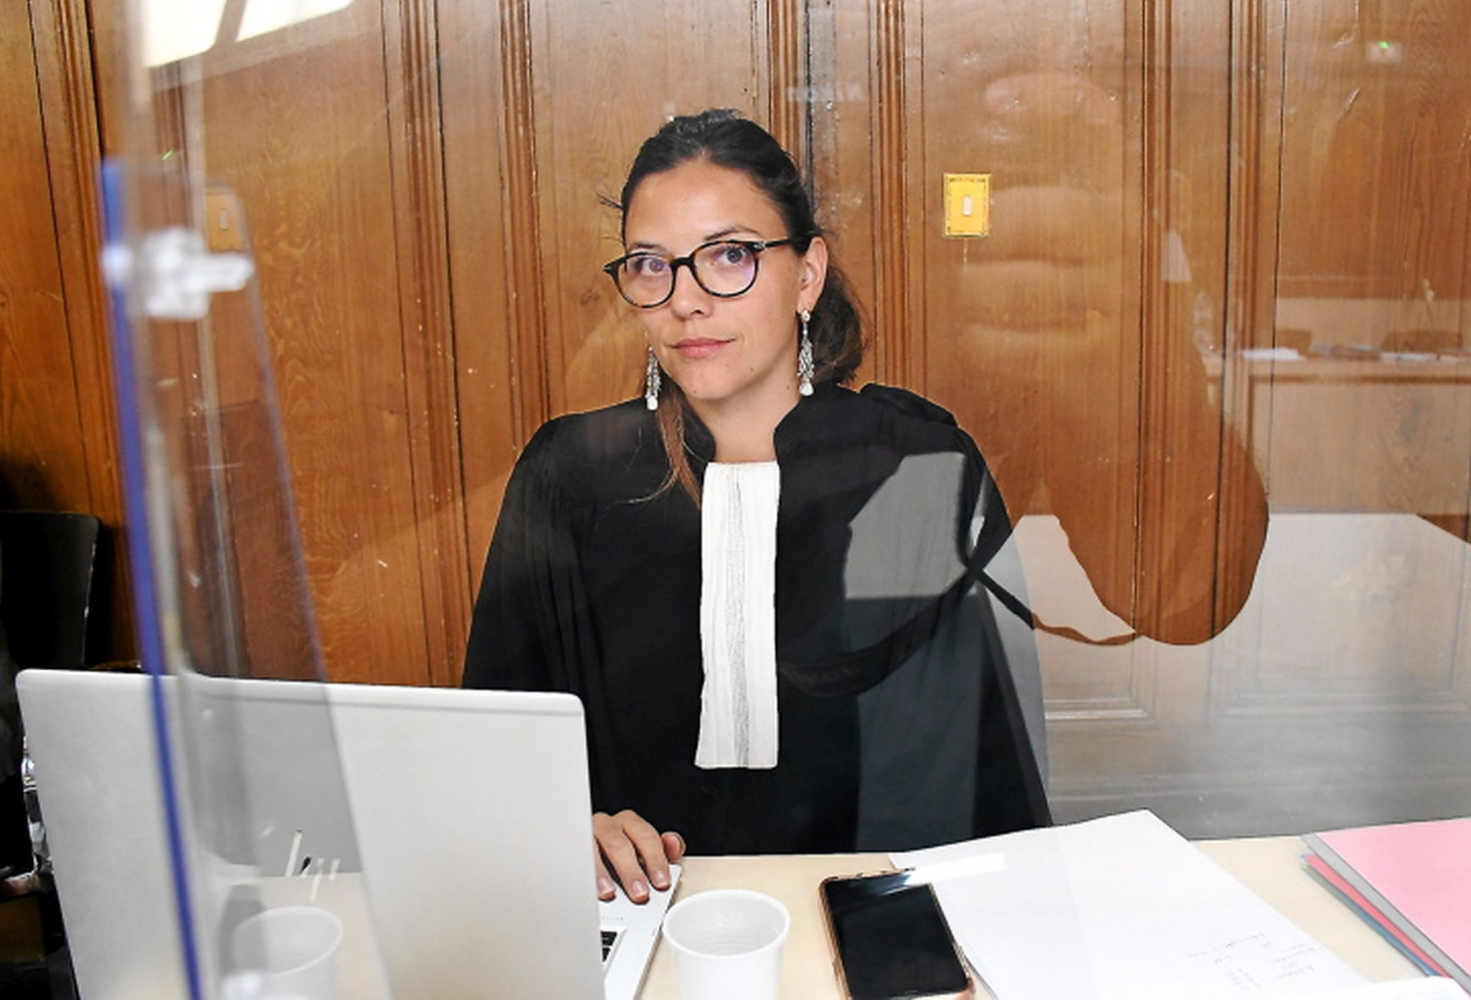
1209 291
1111 344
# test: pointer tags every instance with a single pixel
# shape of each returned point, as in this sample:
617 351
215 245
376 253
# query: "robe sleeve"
971 769
531 606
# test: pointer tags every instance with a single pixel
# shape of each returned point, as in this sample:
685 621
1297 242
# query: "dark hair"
725 139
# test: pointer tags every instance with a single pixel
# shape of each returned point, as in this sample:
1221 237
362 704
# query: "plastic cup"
289 951
727 945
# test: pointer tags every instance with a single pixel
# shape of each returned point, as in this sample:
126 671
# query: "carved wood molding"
1314 705
898 360
1256 122
1251 243
1157 331
1114 708
787 93
518 152
427 330
69 117
62 39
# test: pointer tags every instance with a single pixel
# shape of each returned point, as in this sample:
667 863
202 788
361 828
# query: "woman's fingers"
632 852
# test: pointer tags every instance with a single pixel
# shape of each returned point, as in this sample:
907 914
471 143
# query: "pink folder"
1371 914
1418 875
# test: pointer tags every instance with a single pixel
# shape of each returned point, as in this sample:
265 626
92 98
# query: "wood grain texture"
1376 111
312 167
55 390
520 154
1173 183
843 162
426 324
68 117
654 61
487 296
44 460
788 112
898 358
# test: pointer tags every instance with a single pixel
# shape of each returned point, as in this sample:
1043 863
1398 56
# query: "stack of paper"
1118 907
1411 881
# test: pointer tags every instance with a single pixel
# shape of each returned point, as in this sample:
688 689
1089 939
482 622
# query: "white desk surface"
1268 865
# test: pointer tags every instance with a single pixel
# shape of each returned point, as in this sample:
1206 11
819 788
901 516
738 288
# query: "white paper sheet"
1120 907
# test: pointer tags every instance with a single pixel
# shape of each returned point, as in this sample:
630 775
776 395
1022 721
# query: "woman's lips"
699 347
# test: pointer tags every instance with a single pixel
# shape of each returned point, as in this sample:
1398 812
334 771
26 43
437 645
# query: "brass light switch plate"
967 204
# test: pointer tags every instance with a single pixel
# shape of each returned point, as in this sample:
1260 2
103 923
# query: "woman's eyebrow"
718 234
727 231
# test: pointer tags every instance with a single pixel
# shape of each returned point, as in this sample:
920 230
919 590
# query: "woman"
762 585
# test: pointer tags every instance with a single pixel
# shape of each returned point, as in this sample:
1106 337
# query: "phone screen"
892 938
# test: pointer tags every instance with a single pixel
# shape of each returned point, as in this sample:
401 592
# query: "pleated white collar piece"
738 709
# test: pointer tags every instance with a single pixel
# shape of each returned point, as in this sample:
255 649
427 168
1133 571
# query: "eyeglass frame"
757 247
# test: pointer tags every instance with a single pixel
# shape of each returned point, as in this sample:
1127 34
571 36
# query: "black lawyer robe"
899 722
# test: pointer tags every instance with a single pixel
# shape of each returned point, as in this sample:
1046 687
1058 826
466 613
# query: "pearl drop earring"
805 367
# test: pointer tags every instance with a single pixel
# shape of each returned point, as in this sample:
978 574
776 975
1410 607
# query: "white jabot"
738 714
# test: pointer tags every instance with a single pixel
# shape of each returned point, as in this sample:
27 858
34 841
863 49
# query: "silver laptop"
469 819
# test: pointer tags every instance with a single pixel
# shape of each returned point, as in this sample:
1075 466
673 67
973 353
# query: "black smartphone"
891 939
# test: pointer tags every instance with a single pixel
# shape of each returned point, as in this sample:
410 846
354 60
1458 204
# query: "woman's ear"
812 275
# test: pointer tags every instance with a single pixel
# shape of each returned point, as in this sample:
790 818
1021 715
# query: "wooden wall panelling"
489 163
45 463
1064 341
40 432
842 160
312 166
1356 218
1377 101
898 118
232 536
1351 685
1361 435
1208 168
1178 432
652 61
881 166
1147 295
522 158
1198 166
1033 332
1256 136
1376 186
1202 516
66 113
874 173
416 148
789 101
1253 215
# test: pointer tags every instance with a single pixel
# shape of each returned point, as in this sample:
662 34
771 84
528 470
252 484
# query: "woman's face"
735 355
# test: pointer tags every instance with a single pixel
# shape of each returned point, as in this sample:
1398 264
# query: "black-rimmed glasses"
724 268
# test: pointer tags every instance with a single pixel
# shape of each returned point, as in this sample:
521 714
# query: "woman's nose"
688 297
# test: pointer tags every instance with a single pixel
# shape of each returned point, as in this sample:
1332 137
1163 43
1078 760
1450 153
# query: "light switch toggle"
967 205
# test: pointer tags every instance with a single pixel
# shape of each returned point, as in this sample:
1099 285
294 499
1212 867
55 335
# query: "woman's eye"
733 255
647 266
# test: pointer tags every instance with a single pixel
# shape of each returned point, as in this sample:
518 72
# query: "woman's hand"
637 854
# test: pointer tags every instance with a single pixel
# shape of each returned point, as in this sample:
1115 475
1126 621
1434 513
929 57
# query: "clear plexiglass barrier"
266 868
1195 282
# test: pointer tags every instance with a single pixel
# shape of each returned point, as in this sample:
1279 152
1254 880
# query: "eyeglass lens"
723 269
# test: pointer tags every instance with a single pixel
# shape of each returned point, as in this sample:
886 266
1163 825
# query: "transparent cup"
287 952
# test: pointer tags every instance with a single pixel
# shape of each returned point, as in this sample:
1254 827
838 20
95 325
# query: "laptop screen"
470 823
